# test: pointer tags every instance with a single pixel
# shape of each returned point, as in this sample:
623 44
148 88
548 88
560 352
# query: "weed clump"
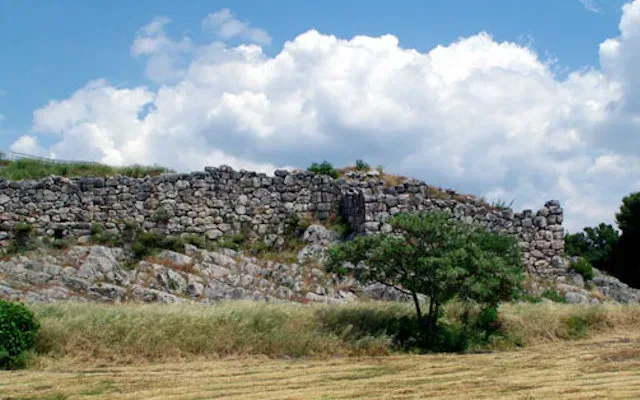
324 168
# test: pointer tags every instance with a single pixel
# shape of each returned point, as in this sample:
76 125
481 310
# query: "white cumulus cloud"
225 25
591 5
477 115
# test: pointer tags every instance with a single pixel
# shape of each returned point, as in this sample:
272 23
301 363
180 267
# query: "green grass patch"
37 169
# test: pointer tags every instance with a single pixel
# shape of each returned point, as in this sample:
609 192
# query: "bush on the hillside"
437 257
100 235
146 243
583 267
295 226
18 328
554 296
361 165
233 241
324 168
341 226
161 215
22 238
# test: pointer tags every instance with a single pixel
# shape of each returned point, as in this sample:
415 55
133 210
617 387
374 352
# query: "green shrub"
63 243
361 165
554 296
341 226
161 215
196 240
146 243
584 268
18 329
234 241
103 237
295 226
22 238
324 168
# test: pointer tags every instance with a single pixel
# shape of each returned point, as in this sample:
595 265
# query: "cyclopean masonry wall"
368 203
220 201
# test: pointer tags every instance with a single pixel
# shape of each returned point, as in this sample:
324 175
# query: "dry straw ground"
117 353
604 367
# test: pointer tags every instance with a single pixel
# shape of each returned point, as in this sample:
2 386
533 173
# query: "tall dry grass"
134 333
527 324
125 334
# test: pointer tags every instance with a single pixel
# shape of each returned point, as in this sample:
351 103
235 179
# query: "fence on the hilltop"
15 156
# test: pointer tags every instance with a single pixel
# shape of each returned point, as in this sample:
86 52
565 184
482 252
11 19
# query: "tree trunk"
416 301
430 323
434 318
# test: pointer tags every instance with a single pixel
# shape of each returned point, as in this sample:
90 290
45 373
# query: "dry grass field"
606 366
249 351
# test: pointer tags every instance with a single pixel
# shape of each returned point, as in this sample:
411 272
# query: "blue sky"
53 47
507 99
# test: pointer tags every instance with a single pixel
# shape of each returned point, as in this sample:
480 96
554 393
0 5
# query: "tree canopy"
435 256
594 244
608 250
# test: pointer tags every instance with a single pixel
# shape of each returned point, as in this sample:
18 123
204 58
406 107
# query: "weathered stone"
111 292
174 258
318 234
576 298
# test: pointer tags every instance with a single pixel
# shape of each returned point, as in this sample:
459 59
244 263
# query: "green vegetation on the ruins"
502 205
553 295
324 168
438 258
583 267
18 328
361 165
145 243
28 169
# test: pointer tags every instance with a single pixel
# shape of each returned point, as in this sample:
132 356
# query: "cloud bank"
481 116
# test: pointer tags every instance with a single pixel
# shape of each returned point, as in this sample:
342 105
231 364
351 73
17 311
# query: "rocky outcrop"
318 239
219 201
614 289
103 274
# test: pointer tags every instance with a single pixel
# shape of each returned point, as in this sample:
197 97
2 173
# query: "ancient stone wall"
369 203
220 200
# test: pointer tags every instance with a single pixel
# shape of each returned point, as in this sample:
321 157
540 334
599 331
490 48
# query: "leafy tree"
594 244
437 257
628 218
626 257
